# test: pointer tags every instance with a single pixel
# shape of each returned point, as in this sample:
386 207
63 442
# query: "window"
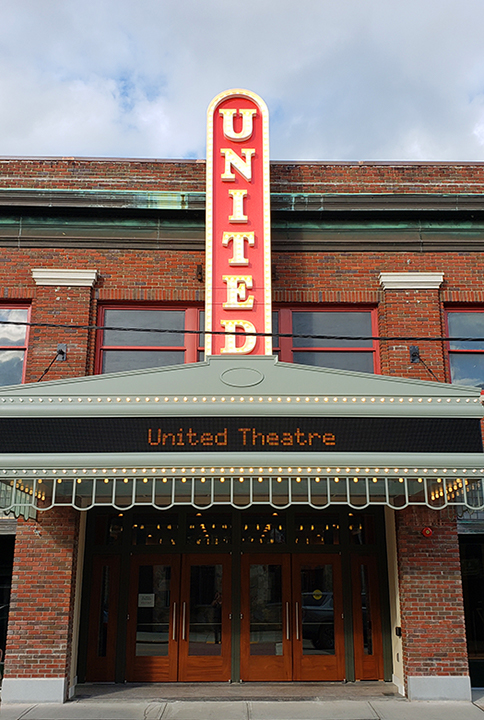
348 354
13 344
146 337
466 357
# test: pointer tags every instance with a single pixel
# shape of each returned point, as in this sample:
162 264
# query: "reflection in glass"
205 611
264 529
362 528
156 320
153 615
159 530
348 324
11 367
209 529
122 360
265 610
316 529
468 325
357 361
467 369
366 611
13 334
317 610
102 637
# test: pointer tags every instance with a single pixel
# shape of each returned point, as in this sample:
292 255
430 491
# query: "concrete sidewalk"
371 709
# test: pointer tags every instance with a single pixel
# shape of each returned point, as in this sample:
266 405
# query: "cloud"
356 79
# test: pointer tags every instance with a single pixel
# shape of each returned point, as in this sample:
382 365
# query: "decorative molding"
61 276
411 280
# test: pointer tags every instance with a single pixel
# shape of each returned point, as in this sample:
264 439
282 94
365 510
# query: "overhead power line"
381 338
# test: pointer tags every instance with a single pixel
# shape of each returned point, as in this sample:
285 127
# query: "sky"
344 80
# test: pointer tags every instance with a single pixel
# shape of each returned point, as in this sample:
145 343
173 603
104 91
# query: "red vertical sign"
238 246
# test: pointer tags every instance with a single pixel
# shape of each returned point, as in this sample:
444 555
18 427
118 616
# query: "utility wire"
381 338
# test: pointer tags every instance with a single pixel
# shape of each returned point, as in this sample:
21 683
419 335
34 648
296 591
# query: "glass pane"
471 325
265 610
161 530
316 529
467 369
209 529
201 325
102 637
150 319
359 361
317 610
13 334
275 330
205 612
352 324
153 619
122 360
366 611
362 529
11 366
472 563
264 529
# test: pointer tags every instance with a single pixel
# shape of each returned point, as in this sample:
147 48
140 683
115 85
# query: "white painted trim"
64 276
411 280
439 687
399 683
33 690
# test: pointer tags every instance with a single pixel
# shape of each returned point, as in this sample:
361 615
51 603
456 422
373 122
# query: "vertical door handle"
288 622
184 617
297 620
173 623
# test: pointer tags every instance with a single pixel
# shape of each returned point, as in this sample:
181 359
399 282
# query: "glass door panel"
103 619
205 620
366 619
318 647
265 623
152 623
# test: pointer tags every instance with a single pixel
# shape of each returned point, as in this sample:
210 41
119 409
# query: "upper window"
327 338
146 337
13 344
466 357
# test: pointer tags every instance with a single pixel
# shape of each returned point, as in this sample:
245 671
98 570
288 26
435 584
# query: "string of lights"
380 338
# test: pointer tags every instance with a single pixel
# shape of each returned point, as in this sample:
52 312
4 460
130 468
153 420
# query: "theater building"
241 418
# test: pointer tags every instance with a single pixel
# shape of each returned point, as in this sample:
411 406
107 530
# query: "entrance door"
366 618
179 618
292 620
103 611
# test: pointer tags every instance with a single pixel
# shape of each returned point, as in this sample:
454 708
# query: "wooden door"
205 619
367 618
153 630
318 632
103 619
265 642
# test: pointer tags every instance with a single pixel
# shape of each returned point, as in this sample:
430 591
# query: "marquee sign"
277 434
238 250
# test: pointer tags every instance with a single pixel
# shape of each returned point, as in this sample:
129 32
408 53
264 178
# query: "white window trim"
411 280
61 276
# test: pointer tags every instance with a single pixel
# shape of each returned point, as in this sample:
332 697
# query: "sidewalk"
368 709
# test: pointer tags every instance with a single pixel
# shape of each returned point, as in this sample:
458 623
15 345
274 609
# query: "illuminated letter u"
247 124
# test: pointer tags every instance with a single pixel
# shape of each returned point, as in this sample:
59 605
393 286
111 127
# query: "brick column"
432 607
38 653
411 307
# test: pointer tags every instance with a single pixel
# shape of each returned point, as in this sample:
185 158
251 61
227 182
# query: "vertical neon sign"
238 244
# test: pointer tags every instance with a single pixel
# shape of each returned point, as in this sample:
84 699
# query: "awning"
240 431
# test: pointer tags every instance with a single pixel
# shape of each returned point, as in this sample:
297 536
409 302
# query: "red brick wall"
433 629
189 176
42 598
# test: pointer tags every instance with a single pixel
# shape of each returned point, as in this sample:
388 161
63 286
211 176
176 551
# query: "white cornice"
411 280
62 276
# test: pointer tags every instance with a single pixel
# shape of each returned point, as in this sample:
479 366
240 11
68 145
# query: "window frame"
286 349
190 347
459 351
25 346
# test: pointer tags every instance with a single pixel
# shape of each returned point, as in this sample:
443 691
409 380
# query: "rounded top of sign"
238 92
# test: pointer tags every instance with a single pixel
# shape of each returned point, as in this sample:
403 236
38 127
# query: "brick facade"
45 556
433 629
42 599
